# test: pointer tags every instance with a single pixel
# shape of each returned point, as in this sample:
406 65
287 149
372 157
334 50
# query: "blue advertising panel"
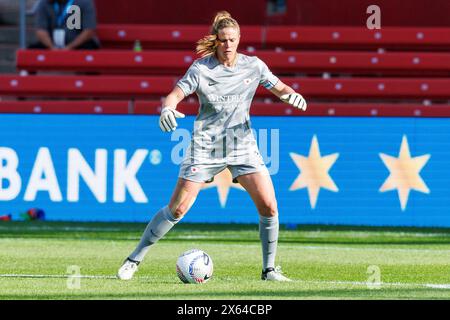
326 170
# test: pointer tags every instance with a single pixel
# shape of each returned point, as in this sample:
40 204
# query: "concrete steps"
9 11
7 68
11 35
9 43
8 52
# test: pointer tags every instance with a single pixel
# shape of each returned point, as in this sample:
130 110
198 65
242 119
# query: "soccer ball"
194 266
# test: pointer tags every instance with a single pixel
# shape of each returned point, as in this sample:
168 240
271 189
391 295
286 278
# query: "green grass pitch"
37 261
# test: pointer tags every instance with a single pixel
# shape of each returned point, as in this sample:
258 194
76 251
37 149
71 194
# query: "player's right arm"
167 120
184 87
174 97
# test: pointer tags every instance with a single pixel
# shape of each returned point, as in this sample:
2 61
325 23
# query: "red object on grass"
6 217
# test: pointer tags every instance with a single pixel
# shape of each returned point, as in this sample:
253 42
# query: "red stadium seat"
86 86
129 87
405 63
336 37
288 37
144 107
368 87
167 36
177 62
164 62
63 106
317 109
295 53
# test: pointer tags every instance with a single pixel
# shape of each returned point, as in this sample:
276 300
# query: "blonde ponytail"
208 44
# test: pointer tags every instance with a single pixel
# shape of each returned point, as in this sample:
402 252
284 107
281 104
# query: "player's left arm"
288 95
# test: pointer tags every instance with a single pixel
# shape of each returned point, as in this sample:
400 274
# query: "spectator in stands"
53 31
225 82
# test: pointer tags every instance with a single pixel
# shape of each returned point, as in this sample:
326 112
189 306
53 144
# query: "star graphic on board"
404 173
314 172
223 181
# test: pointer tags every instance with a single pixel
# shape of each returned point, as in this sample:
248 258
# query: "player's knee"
268 209
179 211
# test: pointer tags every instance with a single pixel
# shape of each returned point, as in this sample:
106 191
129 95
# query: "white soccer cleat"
274 274
127 270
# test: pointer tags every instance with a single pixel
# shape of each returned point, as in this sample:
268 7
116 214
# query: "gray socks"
161 223
268 233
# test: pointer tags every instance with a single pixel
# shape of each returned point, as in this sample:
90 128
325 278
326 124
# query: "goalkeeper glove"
167 120
294 99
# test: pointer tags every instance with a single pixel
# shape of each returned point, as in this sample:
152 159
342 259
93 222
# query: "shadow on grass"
125 226
236 233
242 240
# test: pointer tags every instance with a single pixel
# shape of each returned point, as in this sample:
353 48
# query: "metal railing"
23 13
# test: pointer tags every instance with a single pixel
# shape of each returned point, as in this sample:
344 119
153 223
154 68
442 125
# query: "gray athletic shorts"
205 172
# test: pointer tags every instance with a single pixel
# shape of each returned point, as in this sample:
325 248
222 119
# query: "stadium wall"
372 171
255 12
414 13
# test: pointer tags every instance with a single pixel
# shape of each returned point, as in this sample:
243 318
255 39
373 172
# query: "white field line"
45 228
54 276
370 285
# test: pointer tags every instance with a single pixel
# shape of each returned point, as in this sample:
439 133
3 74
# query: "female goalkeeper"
225 82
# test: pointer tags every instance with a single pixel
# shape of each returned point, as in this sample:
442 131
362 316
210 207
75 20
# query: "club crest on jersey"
194 169
248 81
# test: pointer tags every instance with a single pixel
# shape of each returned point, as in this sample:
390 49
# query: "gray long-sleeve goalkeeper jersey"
225 95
